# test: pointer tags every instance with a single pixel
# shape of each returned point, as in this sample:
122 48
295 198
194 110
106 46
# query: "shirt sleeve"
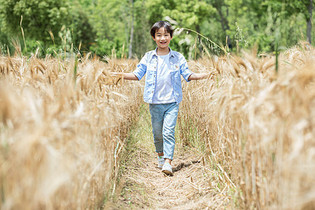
184 70
141 67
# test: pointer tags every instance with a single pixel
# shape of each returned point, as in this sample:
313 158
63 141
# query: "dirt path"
143 185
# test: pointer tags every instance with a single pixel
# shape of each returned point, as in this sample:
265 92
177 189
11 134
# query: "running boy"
163 90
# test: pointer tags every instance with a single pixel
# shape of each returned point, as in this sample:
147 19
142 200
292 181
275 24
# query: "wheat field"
63 125
62 132
259 125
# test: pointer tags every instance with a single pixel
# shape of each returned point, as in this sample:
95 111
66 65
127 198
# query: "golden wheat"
60 138
61 132
259 126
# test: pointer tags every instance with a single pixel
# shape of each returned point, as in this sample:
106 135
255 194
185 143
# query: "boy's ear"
153 38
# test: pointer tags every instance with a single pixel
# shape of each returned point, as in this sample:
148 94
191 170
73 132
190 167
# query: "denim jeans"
163 119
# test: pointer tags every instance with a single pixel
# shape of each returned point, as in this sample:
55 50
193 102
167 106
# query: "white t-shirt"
164 88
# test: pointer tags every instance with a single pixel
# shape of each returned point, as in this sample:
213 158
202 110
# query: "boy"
163 90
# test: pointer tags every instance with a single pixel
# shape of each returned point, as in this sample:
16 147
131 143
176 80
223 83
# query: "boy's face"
162 38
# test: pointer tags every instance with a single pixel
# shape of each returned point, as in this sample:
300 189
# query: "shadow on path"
183 165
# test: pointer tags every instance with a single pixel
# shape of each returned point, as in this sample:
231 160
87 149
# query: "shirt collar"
171 54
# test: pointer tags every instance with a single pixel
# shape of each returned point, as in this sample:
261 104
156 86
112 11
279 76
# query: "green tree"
292 7
107 18
115 27
37 17
142 41
223 9
82 29
247 23
3 39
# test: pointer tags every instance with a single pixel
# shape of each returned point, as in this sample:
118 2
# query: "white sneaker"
161 161
167 169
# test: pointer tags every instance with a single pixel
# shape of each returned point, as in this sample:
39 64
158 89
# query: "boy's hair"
161 24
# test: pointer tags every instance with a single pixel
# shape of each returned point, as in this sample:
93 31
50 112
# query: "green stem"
75 70
187 29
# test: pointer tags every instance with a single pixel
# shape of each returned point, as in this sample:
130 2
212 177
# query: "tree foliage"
36 17
105 26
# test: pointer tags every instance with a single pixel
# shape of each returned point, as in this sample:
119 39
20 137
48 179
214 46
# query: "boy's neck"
164 51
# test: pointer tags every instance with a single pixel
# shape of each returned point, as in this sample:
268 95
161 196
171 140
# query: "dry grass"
60 139
259 126
144 186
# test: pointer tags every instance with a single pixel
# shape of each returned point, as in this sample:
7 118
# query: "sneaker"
161 161
167 169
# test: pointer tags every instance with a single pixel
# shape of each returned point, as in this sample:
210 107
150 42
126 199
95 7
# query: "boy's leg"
169 124
157 118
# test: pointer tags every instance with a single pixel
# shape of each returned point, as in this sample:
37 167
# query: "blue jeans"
163 119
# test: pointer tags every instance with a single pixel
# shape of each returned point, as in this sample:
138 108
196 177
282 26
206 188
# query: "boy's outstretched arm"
198 76
126 76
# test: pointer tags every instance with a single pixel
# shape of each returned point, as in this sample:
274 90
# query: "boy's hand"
204 75
116 74
198 76
126 76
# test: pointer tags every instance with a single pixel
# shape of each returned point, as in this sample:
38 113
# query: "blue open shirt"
148 64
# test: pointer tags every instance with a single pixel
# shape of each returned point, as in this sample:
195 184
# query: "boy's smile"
162 39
